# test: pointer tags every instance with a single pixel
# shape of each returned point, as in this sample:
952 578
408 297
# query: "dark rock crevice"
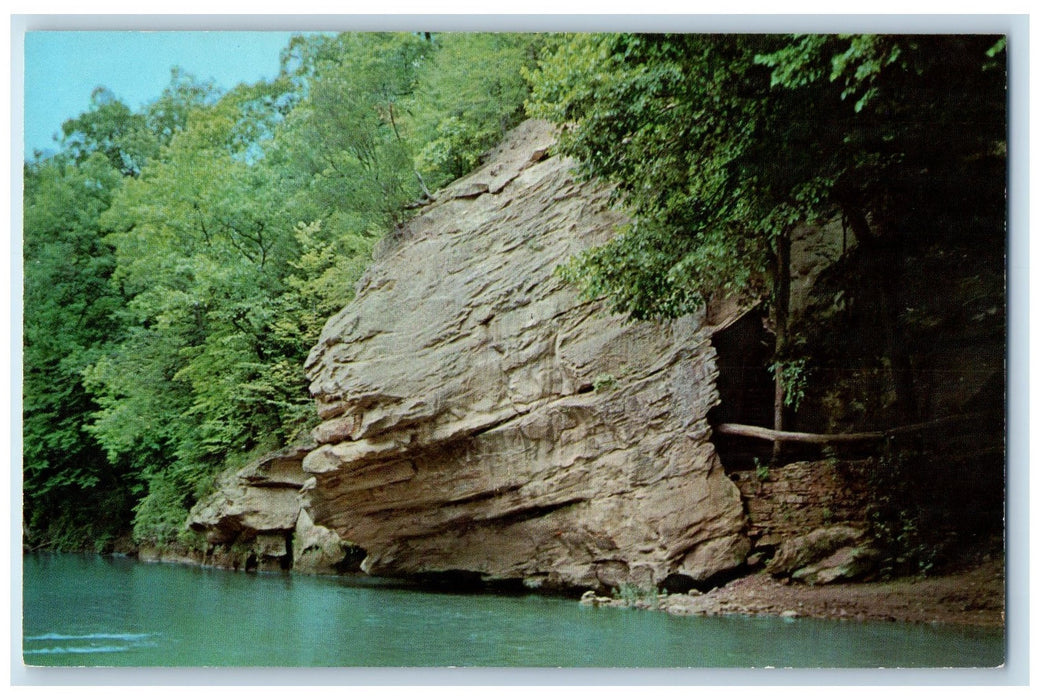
744 351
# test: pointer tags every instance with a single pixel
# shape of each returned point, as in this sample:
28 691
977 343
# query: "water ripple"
77 650
97 635
92 643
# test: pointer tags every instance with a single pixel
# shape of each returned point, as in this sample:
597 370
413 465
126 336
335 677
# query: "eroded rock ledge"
256 520
480 417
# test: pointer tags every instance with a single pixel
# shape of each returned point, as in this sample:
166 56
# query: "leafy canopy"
719 144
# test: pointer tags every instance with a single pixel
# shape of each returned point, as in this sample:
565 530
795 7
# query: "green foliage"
668 120
794 374
903 521
718 145
219 320
761 470
633 595
604 382
160 516
168 115
72 496
112 130
347 137
130 139
461 111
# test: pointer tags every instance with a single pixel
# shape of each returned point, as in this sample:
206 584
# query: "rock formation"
256 520
479 417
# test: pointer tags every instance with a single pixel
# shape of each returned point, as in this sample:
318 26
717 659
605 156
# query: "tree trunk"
882 258
781 310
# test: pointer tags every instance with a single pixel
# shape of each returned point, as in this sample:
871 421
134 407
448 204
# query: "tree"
201 245
719 145
209 251
346 139
168 114
110 128
73 496
471 90
80 487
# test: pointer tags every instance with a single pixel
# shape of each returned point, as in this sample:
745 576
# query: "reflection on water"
103 611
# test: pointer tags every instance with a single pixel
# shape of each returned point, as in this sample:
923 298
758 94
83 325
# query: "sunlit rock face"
480 417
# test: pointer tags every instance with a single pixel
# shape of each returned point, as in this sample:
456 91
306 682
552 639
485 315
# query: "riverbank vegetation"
181 260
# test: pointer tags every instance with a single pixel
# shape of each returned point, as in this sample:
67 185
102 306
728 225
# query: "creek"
81 610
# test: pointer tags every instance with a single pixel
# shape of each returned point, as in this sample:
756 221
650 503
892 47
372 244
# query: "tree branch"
422 184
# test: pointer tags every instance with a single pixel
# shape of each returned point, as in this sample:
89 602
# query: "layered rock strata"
479 417
255 519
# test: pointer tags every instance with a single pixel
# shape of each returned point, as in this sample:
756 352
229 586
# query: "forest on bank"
180 260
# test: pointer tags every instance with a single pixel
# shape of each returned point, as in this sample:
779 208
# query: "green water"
103 611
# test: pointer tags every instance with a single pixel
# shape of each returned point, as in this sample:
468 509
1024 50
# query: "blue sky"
63 68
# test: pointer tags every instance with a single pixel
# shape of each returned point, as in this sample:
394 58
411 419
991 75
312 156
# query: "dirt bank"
971 596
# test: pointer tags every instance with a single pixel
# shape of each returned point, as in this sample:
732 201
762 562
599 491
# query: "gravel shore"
973 596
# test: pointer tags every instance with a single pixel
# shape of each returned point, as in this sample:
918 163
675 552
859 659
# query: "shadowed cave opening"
286 560
352 558
682 583
746 388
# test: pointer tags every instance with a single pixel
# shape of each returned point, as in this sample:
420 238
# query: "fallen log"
758 432
754 431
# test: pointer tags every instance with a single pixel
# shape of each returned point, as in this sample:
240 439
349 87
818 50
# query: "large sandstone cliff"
479 417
